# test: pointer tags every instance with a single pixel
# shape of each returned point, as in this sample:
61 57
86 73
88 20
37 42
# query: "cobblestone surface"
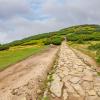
73 79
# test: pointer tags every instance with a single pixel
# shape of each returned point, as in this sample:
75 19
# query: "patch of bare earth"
22 81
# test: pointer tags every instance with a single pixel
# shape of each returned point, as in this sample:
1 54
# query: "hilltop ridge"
84 32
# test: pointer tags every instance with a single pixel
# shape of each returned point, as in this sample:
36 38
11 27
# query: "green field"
15 54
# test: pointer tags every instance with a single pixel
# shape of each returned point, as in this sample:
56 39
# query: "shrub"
72 37
4 47
98 56
47 41
53 40
56 41
80 41
94 47
86 37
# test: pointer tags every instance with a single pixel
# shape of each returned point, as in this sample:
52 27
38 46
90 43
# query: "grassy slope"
75 34
84 48
83 32
16 54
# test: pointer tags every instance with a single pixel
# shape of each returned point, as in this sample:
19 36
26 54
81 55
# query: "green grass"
9 57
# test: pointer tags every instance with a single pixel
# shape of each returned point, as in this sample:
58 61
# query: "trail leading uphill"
72 79
69 79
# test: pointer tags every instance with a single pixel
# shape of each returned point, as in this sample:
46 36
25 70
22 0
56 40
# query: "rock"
75 97
63 73
88 78
87 85
66 78
19 98
23 98
45 93
69 88
98 93
91 92
39 91
80 69
79 89
53 95
76 73
92 98
56 86
65 94
55 77
75 80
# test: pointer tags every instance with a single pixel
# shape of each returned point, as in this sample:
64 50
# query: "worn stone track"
72 79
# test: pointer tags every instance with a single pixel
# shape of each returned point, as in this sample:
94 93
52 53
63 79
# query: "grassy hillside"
75 33
83 37
86 38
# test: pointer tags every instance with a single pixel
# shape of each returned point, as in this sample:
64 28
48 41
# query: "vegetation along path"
22 81
72 79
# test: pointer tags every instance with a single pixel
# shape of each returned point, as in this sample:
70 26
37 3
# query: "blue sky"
22 18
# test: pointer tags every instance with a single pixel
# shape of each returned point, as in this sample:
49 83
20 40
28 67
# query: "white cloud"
22 18
3 37
10 8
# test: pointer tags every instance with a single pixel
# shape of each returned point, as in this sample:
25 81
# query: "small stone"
75 97
69 88
23 98
87 85
91 92
75 80
98 93
45 93
53 95
80 69
66 78
56 86
65 94
92 98
19 98
79 89
88 78
76 73
39 91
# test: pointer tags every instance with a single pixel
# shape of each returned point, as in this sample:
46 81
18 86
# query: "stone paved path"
72 79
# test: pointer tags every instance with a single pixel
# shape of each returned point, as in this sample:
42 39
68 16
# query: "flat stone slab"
75 80
79 89
88 78
92 93
65 94
56 86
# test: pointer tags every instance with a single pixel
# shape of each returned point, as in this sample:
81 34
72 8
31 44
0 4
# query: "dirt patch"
23 79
